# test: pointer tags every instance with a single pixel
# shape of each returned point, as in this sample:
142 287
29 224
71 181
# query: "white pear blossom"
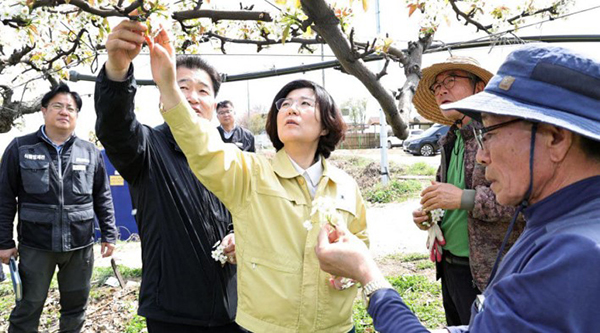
435 217
217 254
347 283
325 206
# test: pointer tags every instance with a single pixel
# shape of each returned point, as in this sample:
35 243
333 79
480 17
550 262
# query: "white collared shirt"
312 175
226 134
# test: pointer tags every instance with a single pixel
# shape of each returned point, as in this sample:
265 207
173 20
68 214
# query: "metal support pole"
385 177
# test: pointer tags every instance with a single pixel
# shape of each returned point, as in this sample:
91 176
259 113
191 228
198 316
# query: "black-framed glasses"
480 132
448 82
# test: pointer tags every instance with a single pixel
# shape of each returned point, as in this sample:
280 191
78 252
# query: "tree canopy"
40 40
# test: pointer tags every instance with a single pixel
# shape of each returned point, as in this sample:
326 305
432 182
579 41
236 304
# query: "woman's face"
299 119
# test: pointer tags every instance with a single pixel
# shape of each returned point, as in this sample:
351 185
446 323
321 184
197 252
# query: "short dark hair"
590 147
61 88
474 79
193 61
331 117
224 103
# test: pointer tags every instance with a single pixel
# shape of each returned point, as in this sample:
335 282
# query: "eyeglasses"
302 104
447 82
480 132
57 107
224 112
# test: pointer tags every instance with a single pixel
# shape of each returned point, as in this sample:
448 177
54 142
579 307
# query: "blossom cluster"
500 14
324 209
435 217
218 253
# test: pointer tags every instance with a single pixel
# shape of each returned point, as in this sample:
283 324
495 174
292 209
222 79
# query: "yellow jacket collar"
284 168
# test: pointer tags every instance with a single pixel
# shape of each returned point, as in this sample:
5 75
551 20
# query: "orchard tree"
40 40
356 108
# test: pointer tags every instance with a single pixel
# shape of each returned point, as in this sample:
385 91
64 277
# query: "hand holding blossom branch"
325 212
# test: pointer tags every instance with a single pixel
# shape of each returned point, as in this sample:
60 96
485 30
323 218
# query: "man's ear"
558 141
479 86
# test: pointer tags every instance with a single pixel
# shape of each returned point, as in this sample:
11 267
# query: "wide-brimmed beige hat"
424 100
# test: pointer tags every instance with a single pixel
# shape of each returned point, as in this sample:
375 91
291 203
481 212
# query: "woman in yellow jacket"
280 286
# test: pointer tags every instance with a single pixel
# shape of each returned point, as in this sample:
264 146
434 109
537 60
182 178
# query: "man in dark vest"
57 183
229 131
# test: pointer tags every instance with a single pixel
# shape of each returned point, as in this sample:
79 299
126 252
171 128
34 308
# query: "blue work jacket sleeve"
391 315
103 203
9 189
123 137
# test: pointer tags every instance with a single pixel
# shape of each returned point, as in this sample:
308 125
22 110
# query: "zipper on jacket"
61 197
61 200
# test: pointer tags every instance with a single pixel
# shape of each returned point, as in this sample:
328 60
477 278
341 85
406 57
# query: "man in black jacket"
57 182
183 289
230 132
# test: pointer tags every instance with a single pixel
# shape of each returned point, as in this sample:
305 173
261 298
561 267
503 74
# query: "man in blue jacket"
57 183
541 147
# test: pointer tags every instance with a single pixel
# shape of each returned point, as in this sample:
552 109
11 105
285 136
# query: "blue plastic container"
124 214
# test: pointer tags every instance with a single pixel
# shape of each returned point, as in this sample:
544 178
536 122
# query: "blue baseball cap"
542 83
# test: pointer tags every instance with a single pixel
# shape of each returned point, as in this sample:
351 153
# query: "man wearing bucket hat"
474 223
541 149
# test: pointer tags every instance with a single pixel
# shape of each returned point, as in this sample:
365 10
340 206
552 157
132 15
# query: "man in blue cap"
541 147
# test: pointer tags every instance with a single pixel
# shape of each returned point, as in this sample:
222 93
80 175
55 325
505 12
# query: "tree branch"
327 25
217 15
196 13
85 6
11 110
551 10
263 43
468 18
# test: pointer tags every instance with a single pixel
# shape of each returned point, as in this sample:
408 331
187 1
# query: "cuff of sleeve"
117 85
111 240
178 115
7 245
467 200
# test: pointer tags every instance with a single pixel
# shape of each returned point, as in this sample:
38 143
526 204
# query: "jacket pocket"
334 309
83 179
81 226
35 226
35 176
268 280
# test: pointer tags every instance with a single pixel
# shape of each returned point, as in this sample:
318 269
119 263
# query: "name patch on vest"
82 160
35 157
78 167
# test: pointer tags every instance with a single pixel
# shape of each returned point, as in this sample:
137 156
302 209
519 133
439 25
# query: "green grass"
422 297
362 321
135 325
395 191
427 264
421 169
102 273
